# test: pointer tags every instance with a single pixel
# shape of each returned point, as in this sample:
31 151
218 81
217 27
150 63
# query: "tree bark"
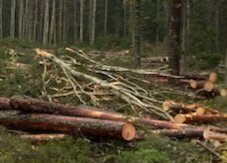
81 21
157 19
68 125
1 22
60 22
175 31
93 22
137 34
46 23
52 24
106 16
75 23
12 19
64 30
85 111
188 118
187 132
35 25
21 18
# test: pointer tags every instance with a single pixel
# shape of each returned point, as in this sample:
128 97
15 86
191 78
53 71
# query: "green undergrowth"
80 150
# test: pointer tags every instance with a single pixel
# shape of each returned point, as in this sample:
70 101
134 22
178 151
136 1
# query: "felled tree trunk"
68 125
5 103
85 111
38 106
187 132
187 118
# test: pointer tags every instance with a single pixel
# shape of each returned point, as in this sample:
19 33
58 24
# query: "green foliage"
203 61
17 43
143 156
112 42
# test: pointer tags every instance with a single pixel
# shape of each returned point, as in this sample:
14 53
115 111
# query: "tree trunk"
106 16
1 25
217 24
84 111
188 118
30 18
68 125
81 21
12 19
46 23
41 21
64 30
21 18
35 20
175 30
187 132
137 34
157 20
26 20
52 24
60 22
75 22
226 67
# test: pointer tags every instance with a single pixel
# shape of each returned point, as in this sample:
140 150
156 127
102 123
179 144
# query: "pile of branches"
45 117
91 80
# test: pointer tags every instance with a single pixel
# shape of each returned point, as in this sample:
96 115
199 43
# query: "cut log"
194 84
202 111
213 76
180 133
38 106
85 111
210 135
161 123
4 103
187 118
42 137
68 125
208 86
171 105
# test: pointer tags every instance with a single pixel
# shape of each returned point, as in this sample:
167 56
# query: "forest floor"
25 80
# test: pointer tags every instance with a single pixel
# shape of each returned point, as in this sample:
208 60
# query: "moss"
13 149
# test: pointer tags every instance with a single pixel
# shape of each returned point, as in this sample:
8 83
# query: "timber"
42 137
4 103
187 132
85 111
213 76
174 106
187 118
211 135
68 125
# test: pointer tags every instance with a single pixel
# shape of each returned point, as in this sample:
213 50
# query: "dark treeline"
87 21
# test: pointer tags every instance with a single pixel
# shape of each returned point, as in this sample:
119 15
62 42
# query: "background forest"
120 56
105 23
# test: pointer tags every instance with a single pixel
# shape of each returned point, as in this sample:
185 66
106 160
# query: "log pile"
57 119
189 113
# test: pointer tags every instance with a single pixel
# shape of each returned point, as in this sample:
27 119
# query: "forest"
113 81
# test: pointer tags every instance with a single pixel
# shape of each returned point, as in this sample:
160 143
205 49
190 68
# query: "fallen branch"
42 137
117 88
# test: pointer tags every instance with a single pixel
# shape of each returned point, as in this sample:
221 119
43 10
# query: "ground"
26 81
